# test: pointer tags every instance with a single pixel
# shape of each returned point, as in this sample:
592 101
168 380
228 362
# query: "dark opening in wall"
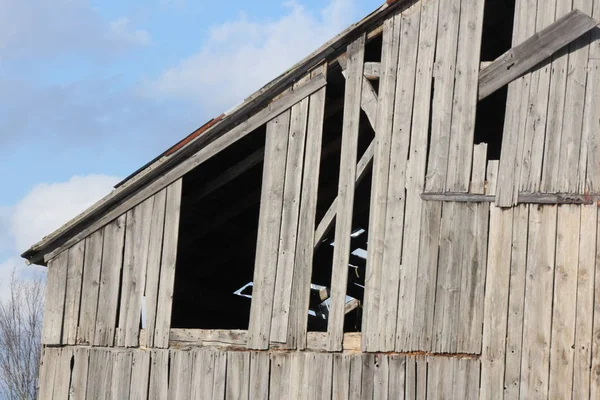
217 238
497 40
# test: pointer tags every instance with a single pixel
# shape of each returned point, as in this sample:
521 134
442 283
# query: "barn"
411 212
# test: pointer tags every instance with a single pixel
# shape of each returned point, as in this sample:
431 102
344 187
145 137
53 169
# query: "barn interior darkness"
221 199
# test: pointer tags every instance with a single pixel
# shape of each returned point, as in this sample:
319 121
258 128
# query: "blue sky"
92 90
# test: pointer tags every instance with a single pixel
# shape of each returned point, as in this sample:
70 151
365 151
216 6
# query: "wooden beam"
524 198
369 99
235 134
520 59
372 70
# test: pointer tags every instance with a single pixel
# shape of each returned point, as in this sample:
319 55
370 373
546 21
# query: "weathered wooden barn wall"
463 299
95 289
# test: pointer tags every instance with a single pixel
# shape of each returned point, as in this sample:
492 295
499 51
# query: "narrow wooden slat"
355 388
532 51
140 373
439 377
157 225
464 107
90 287
367 376
202 374
135 261
585 302
515 119
535 128
100 372
47 369
444 76
108 296
180 380
80 372
569 174
565 302
479 165
259 375
62 375
268 231
595 371
280 375
54 303
491 177
472 280
238 375
289 220
396 197
220 376
121 376
591 134
381 377
341 376
516 300
167 269
298 319
379 186
320 376
343 228
159 375
397 374
496 302
298 376
205 153
538 302
411 294
73 293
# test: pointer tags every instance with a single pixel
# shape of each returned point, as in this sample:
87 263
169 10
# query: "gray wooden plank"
280 375
534 50
47 369
298 376
380 178
320 376
464 108
585 303
108 296
100 372
516 301
538 302
238 375
73 293
80 373
135 262
268 231
496 303
479 167
244 128
417 164
595 371
54 302
569 174
203 374
444 77
537 109
92 265
180 380
396 199
355 387
121 376
397 374
341 376
167 269
564 308
343 228
303 262
259 375
153 267
140 373
220 375
289 220
62 375
591 134
159 375
381 377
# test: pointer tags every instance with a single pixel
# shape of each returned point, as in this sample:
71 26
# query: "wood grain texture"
269 227
73 293
92 266
343 228
54 301
140 373
167 269
159 375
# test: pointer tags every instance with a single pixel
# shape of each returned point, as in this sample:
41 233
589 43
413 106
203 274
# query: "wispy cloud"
241 55
121 31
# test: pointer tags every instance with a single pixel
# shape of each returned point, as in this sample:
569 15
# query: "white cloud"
241 55
48 206
121 31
